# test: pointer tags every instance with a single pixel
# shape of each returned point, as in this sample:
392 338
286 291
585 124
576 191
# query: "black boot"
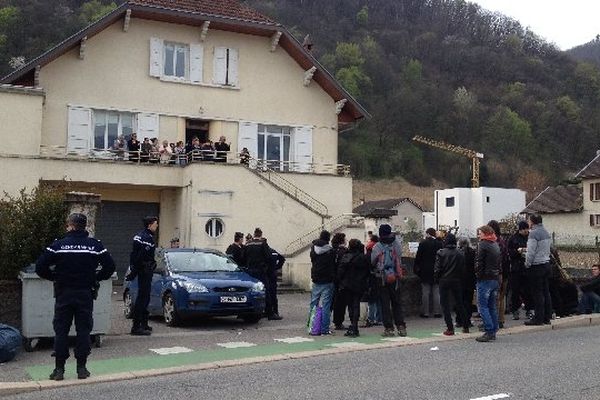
82 371
138 330
59 371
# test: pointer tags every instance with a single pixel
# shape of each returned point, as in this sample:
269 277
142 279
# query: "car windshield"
188 261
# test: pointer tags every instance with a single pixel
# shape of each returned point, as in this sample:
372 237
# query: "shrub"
28 223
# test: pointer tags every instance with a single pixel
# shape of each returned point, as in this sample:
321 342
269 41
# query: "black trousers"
72 304
519 291
391 306
538 276
270 292
339 306
352 300
452 289
140 308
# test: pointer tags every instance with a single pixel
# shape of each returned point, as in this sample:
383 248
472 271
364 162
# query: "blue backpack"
389 263
10 342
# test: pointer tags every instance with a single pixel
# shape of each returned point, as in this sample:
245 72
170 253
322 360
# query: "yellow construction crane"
473 155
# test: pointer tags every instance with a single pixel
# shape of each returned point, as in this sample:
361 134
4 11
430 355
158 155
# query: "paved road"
549 365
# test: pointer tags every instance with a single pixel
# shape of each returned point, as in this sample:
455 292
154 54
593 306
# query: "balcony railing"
182 159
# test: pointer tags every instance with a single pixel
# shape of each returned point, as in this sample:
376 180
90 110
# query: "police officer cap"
78 219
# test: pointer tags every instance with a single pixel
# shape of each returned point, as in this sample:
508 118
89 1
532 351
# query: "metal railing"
263 169
331 225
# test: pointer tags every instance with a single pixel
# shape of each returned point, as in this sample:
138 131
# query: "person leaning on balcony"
222 148
133 147
245 156
119 147
165 152
193 150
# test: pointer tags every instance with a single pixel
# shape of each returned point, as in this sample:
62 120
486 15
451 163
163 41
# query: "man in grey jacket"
537 264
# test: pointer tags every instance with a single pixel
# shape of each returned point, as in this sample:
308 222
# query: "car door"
158 281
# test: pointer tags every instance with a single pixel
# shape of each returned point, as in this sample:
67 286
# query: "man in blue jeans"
322 274
487 271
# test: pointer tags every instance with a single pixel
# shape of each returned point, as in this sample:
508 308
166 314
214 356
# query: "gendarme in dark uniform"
142 265
258 263
76 258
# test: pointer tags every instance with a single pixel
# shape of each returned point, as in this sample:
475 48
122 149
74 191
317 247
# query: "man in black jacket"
142 265
424 262
449 271
322 275
258 263
590 298
517 244
277 262
75 276
236 249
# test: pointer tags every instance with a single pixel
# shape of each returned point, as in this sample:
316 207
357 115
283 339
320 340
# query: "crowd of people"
150 150
502 275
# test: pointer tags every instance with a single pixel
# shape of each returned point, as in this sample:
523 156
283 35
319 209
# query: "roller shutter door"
117 224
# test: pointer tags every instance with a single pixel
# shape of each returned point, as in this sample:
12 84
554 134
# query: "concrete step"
284 288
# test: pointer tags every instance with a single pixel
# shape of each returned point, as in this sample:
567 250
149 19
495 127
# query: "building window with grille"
214 228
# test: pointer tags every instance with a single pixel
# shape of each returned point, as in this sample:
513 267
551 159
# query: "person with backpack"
386 256
352 277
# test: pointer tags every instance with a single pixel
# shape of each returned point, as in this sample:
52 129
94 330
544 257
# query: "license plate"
233 299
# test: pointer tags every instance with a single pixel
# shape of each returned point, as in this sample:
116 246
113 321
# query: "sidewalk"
226 341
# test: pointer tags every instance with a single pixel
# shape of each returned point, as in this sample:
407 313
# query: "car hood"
217 279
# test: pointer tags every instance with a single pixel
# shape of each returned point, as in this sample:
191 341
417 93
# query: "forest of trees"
589 51
446 69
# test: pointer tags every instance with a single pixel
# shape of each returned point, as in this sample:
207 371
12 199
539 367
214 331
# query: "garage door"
118 222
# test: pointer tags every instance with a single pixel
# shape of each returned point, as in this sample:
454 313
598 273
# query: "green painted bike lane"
156 361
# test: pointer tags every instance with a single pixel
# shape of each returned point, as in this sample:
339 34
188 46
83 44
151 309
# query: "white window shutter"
248 138
79 130
220 66
156 57
196 60
148 126
303 151
233 67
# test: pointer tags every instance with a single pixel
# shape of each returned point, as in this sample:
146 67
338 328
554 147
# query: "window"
108 125
214 228
595 220
449 201
226 66
176 60
595 191
274 145
487 199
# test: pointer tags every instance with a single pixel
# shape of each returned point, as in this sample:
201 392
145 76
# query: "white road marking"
235 345
347 344
396 339
494 397
171 350
296 339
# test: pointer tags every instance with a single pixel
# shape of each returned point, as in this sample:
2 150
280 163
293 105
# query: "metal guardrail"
263 169
330 225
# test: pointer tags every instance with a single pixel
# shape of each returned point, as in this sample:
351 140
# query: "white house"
470 208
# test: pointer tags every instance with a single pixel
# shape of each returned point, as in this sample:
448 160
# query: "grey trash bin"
37 310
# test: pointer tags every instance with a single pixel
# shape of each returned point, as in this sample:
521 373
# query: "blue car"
199 283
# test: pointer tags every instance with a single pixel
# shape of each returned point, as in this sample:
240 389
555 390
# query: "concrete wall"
407 211
571 228
115 75
20 121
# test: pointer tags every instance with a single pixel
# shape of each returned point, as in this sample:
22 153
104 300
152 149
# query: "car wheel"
251 318
170 310
127 305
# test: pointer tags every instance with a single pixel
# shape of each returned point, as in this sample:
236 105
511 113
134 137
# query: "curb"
11 388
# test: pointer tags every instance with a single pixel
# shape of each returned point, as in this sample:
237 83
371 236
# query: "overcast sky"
567 23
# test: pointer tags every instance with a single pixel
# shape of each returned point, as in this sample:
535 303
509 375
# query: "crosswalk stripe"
494 397
396 339
171 350
236 345
296 339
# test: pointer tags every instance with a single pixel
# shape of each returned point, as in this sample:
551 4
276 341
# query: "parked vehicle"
192 283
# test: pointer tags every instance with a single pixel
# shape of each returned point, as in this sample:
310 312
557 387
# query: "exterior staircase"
332 225
276 179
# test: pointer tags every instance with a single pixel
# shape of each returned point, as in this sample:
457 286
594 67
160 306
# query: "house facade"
572 212
177 70
403 214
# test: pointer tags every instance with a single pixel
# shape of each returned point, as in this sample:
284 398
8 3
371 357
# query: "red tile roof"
218 8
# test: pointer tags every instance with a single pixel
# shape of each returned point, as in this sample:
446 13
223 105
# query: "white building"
470 208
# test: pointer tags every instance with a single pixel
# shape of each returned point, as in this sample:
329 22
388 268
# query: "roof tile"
592 170
558 199
220 8
370 207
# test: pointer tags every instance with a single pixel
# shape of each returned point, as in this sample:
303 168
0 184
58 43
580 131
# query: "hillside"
589 52
381 189
446 69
